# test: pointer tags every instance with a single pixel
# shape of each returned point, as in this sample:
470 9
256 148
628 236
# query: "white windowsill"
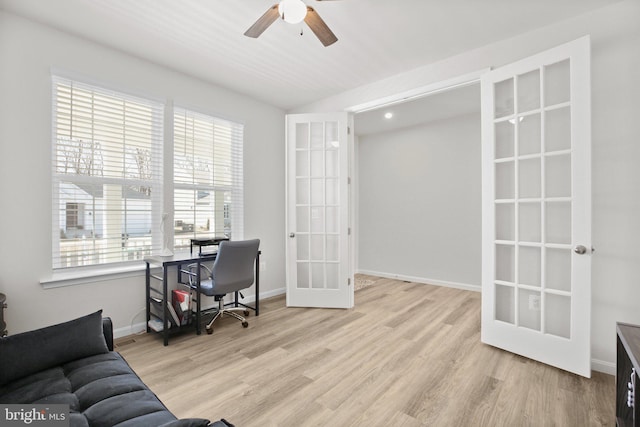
80 276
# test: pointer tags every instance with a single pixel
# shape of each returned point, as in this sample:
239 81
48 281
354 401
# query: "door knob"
580 250
292 235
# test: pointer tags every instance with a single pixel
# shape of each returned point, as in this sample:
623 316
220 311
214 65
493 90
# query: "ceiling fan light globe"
292 11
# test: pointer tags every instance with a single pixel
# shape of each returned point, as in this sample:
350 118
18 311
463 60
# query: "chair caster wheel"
209 331
245 324
246 312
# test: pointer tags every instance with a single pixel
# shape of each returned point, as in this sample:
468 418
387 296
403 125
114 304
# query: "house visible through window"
107 152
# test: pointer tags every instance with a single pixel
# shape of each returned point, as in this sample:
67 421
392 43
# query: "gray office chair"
233 270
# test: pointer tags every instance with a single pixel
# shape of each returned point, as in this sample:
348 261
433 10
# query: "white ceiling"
376 38
439 106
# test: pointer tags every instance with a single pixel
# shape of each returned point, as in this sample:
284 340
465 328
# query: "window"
107 175
75 216
207 169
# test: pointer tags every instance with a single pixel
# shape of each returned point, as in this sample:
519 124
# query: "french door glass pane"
558 176
302 219
529 266
558 130
302 247
504 139
317 247
505 304
333 192
317 191
331 136
333 275
317 219
505 221
529 222
302 163
317 135
504 98
529 132
505 182
333 164
557 83
558 269
529 309
332 214
302 136
529 178
317 163
558 315
558 222
317 275
529 91
302 191
302 275
332 247
505 263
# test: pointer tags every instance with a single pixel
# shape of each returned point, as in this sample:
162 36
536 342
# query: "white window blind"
207 165
107 175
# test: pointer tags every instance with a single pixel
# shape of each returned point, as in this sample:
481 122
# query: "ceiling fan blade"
319 28
263 22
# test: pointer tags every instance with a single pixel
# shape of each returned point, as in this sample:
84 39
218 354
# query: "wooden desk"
178 260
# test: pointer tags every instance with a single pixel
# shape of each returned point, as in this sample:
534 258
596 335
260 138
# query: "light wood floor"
407 355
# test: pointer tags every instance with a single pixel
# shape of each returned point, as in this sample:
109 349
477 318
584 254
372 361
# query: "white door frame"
405 96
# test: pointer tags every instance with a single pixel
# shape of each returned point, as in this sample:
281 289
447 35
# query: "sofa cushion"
31 352
101 390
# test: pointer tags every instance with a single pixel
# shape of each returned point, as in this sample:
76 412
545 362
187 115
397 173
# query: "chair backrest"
233 268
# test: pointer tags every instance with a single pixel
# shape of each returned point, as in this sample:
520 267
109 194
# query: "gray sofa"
73 363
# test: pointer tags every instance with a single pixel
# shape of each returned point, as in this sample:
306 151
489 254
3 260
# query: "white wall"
28 52
420 202
615 35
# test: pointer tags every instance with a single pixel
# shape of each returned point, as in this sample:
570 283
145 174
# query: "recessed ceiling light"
388 115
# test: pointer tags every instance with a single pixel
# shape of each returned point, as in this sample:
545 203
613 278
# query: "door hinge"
349 231
349 180
349 282
348 130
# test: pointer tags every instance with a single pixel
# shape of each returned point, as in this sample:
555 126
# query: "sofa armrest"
107 330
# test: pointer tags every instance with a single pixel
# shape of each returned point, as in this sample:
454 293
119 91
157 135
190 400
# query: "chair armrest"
107 330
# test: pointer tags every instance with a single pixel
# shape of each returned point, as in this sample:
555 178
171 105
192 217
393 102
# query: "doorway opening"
417 195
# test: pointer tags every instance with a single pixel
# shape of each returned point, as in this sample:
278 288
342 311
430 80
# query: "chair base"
231 312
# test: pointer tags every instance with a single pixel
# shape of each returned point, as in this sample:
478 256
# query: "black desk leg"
258 284
148 283
165 316
198 331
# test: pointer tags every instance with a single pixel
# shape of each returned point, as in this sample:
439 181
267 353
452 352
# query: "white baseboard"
139 327
603 366
447 284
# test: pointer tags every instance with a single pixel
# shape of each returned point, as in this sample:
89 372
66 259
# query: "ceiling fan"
293 12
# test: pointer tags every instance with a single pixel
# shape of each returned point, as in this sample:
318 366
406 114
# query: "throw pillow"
30 352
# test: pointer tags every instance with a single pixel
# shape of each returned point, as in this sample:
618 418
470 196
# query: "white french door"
536 170
318 258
